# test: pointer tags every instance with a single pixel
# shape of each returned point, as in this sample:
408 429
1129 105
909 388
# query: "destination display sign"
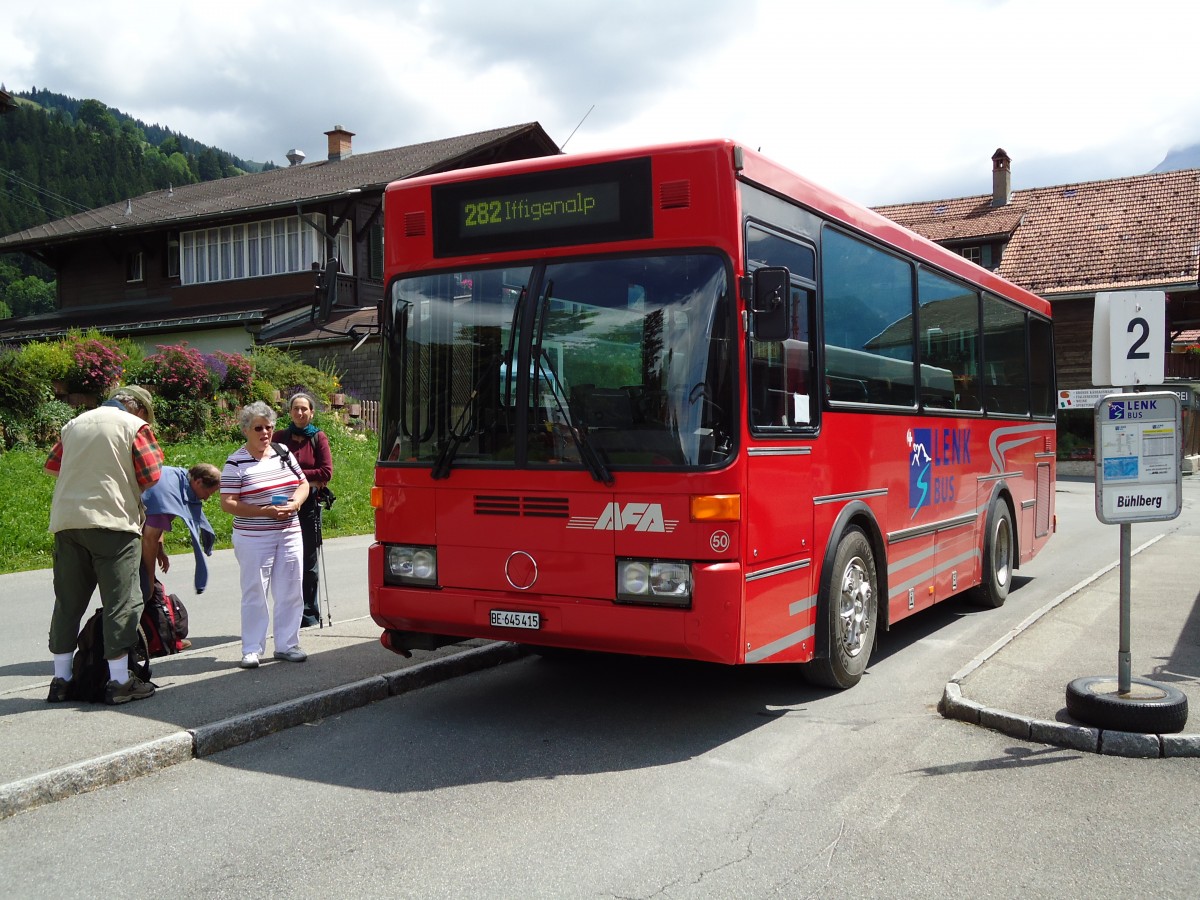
585 204
1138 476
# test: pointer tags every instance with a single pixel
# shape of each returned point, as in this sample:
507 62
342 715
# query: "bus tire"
851 594
998 551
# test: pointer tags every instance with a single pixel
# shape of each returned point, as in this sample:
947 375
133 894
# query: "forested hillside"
60 156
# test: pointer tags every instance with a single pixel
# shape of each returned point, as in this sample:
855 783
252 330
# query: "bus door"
779 554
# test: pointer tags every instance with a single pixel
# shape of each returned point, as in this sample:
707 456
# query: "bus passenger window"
869 329
949 343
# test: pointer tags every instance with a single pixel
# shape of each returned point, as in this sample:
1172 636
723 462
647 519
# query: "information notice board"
1138 476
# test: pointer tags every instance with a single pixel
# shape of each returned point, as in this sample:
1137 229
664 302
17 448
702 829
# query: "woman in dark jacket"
311 448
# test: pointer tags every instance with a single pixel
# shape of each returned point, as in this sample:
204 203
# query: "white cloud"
879 100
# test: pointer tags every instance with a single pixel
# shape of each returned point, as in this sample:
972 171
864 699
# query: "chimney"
1001 177
339 143
295 157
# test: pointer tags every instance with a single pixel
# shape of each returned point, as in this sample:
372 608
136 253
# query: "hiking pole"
325 585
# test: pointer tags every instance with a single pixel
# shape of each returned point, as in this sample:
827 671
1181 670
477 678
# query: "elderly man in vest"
103 460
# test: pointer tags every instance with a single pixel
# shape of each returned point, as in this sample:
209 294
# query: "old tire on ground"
851 601
998 548
1148 708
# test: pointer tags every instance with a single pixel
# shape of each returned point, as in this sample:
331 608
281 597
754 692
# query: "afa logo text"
928 450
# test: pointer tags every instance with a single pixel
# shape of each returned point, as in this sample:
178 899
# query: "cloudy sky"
881 100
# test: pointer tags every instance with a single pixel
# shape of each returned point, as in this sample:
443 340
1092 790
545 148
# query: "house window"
974 254
274 247
133 266
172 259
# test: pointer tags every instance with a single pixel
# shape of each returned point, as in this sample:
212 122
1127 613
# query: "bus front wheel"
998 545
850 612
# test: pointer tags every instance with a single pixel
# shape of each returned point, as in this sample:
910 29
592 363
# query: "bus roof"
755 168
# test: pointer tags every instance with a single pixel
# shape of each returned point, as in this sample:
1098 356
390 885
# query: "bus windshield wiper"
587 453
464 426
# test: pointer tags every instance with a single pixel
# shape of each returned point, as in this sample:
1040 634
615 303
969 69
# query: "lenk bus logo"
927 448
1131 409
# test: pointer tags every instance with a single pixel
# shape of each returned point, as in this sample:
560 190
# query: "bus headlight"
410 565
659 582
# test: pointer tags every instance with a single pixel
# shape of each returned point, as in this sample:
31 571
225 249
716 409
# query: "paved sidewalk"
205 704
1018 686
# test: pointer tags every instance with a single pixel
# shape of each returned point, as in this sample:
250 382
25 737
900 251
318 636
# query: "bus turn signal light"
376 498
716 507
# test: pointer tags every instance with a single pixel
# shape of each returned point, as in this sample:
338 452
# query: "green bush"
21 388
287 374
49 360
177 418
47 421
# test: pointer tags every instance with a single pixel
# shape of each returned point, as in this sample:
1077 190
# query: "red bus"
680 402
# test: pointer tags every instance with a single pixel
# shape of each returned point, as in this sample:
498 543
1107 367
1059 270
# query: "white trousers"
270 561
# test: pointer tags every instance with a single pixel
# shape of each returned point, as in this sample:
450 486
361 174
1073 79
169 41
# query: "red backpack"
165 622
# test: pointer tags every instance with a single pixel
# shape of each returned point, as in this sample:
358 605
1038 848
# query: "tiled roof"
1118 234
277 188
964 219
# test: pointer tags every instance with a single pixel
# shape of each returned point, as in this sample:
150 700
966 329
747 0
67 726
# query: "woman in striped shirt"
263 487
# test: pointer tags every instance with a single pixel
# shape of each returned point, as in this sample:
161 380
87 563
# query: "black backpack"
89 668
164 622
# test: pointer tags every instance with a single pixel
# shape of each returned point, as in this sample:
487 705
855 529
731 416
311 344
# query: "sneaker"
58 690
184 644
122 692
293 655
249 661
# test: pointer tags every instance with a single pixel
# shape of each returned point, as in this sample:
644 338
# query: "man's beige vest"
97 485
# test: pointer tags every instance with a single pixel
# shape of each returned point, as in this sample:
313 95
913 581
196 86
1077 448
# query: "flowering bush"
96 366
178 371
238 371
216 370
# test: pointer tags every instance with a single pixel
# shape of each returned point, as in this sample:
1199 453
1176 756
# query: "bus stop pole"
1123 658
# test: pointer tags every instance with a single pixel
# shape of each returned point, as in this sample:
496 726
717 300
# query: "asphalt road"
614 777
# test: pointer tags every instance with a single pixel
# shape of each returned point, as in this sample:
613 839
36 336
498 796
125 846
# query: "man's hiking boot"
58 690
134 689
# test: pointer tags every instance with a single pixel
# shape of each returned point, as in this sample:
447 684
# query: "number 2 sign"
1129 333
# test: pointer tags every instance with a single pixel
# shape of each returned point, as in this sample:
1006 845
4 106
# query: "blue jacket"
173 496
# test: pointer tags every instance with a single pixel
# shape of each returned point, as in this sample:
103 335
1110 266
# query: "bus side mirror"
770 303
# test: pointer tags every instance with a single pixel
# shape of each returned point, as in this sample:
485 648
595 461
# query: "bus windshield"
605 364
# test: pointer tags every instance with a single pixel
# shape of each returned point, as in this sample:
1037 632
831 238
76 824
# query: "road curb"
1108 742
134 762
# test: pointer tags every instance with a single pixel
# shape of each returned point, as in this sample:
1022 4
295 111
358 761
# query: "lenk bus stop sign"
1138 477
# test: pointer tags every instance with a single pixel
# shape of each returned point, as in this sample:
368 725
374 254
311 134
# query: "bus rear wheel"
850 610
998 546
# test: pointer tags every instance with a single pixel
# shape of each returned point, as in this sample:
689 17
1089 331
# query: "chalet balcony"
1183 365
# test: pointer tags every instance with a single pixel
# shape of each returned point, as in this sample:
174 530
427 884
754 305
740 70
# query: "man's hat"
139 395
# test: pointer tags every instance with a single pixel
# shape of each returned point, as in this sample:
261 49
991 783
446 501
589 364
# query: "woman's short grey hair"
256 410
312 402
